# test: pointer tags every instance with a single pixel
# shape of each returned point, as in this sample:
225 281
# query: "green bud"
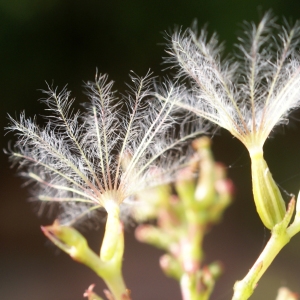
154 236
185 186
205 190
171 266
150 201
73 243
267 197
224 190
215 269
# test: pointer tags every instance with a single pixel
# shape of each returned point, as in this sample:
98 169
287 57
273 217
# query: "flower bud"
285 294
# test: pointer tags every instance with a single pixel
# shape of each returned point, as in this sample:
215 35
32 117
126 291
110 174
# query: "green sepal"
113 231
267 197
73 243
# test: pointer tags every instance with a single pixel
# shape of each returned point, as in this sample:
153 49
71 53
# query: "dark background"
64 41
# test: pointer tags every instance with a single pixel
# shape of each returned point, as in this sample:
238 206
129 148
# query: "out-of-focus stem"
191 260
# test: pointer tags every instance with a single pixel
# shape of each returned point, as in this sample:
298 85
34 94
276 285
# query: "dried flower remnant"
248 95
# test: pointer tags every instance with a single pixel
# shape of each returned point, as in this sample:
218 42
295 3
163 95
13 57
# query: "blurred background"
63 41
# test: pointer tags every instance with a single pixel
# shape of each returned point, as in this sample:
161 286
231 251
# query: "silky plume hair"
248 93
108 152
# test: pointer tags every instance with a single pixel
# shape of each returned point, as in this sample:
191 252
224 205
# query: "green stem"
73 243
243 289
295 227
280 237
110 271
111 274
115 284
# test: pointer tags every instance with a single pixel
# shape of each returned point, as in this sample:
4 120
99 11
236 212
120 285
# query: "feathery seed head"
248 95
85 161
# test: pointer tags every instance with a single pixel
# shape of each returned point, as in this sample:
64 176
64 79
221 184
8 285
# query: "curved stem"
115 284
112 251
244 288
